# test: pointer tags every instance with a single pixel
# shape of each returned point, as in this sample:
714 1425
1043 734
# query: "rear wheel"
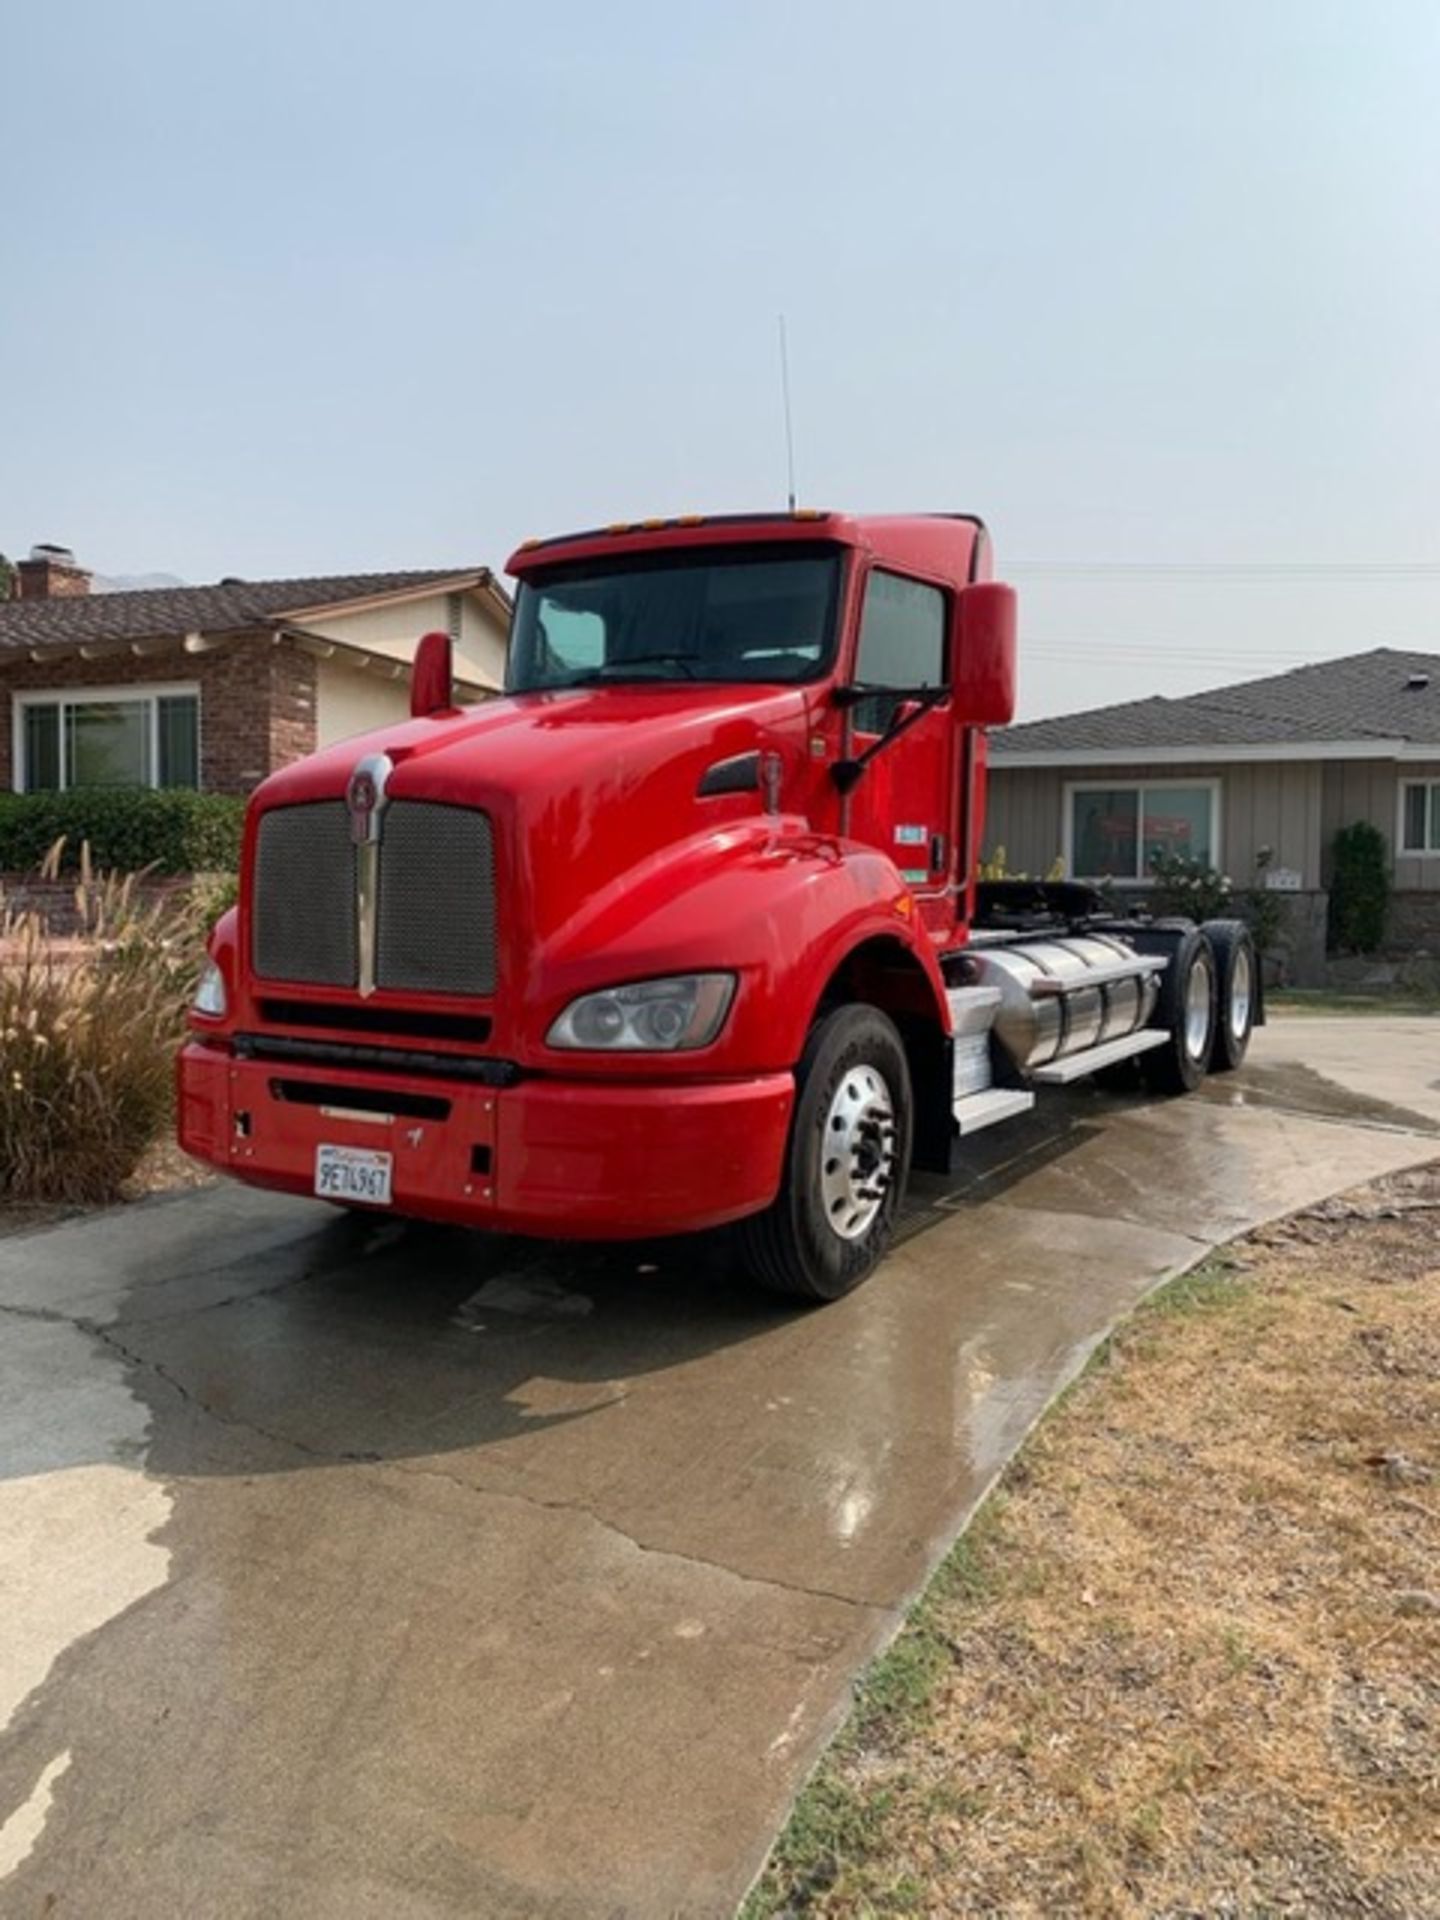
1186 1009
1237 967
846 1163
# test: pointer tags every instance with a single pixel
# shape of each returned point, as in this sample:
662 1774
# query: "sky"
1153 286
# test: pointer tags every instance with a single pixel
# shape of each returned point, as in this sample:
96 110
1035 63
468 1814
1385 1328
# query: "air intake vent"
305 896
436 899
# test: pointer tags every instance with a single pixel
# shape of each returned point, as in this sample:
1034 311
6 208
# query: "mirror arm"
846 773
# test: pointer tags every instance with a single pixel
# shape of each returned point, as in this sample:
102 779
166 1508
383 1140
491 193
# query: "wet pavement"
352 1569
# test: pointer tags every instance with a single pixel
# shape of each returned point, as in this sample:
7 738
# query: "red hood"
582 785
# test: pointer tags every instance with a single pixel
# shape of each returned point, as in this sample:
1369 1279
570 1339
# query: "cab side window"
902 643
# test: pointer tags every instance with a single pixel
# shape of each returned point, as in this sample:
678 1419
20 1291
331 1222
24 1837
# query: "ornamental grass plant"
88 1027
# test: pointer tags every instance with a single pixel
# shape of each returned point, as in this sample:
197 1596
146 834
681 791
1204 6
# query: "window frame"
1429 785
1122 783
148 691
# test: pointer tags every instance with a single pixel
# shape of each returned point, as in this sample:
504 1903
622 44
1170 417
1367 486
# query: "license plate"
353 1173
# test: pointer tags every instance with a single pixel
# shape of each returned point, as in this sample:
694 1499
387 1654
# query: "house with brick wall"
1254 779
215 687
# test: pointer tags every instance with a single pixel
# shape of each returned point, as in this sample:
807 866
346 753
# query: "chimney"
51 574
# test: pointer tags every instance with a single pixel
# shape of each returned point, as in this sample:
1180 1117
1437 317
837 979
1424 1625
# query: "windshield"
748 613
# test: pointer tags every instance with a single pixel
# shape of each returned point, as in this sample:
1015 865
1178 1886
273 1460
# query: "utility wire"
1179 653
1242 570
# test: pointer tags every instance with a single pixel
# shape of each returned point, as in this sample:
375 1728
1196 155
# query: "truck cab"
684 930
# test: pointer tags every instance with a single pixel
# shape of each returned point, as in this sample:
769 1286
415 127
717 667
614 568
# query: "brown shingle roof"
1362 697
152 613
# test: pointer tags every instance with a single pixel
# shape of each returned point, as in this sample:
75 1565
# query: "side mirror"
982 659
432 677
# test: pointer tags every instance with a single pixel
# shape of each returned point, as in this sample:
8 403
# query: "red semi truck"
685 929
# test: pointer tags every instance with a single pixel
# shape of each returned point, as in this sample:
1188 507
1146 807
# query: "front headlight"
652 1016
210 994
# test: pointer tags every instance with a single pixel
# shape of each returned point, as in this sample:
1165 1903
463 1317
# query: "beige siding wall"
1276 806
348 702
479 652
484 641
1023 818
1370 790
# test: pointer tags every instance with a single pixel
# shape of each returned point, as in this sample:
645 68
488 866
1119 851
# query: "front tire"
846 1162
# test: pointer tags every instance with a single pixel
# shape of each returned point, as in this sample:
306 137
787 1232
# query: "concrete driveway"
349 1569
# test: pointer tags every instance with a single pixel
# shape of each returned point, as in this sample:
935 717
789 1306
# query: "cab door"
905 801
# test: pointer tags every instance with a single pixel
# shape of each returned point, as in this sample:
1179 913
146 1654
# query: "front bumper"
566 1158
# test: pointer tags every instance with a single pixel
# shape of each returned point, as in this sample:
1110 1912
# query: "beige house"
217 686
1254 779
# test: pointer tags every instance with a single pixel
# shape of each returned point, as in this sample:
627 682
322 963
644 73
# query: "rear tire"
1186 1009
1237 968
846 1162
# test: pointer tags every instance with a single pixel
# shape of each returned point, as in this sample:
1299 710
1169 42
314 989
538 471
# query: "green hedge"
1359 889
174 831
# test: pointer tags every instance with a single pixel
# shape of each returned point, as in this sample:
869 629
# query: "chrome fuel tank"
1059 997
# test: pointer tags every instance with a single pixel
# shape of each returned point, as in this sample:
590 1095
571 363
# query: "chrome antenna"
785 402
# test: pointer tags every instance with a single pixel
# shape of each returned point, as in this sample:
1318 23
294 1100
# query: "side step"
1076 1065
979 1110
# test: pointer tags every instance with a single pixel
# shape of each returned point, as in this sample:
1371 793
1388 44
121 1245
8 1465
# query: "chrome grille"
437 900
305 896
435 908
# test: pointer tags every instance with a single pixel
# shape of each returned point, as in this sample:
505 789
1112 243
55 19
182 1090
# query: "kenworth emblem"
365 800
365 796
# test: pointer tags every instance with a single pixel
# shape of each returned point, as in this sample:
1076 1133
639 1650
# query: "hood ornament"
365 796
365 803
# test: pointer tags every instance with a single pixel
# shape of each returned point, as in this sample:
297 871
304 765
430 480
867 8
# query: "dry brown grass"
1189 1664
88 1027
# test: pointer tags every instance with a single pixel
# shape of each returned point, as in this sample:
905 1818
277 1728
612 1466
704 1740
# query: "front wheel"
846 1162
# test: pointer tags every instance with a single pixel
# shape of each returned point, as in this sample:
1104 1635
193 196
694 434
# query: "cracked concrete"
350 1585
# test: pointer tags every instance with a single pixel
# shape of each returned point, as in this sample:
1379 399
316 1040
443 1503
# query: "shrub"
88 1029
125 828
1192 888
211 895
1267 917
1359 889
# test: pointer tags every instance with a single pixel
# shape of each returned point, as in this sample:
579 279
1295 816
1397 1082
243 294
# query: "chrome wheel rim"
1199 999
1242 992
857 1152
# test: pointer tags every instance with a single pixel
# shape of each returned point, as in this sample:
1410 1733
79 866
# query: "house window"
1420 816
103 737
1116 832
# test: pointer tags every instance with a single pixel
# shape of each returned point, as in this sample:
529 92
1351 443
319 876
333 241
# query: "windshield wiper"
621 669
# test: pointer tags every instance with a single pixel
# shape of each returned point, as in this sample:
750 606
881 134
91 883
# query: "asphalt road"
349 1569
